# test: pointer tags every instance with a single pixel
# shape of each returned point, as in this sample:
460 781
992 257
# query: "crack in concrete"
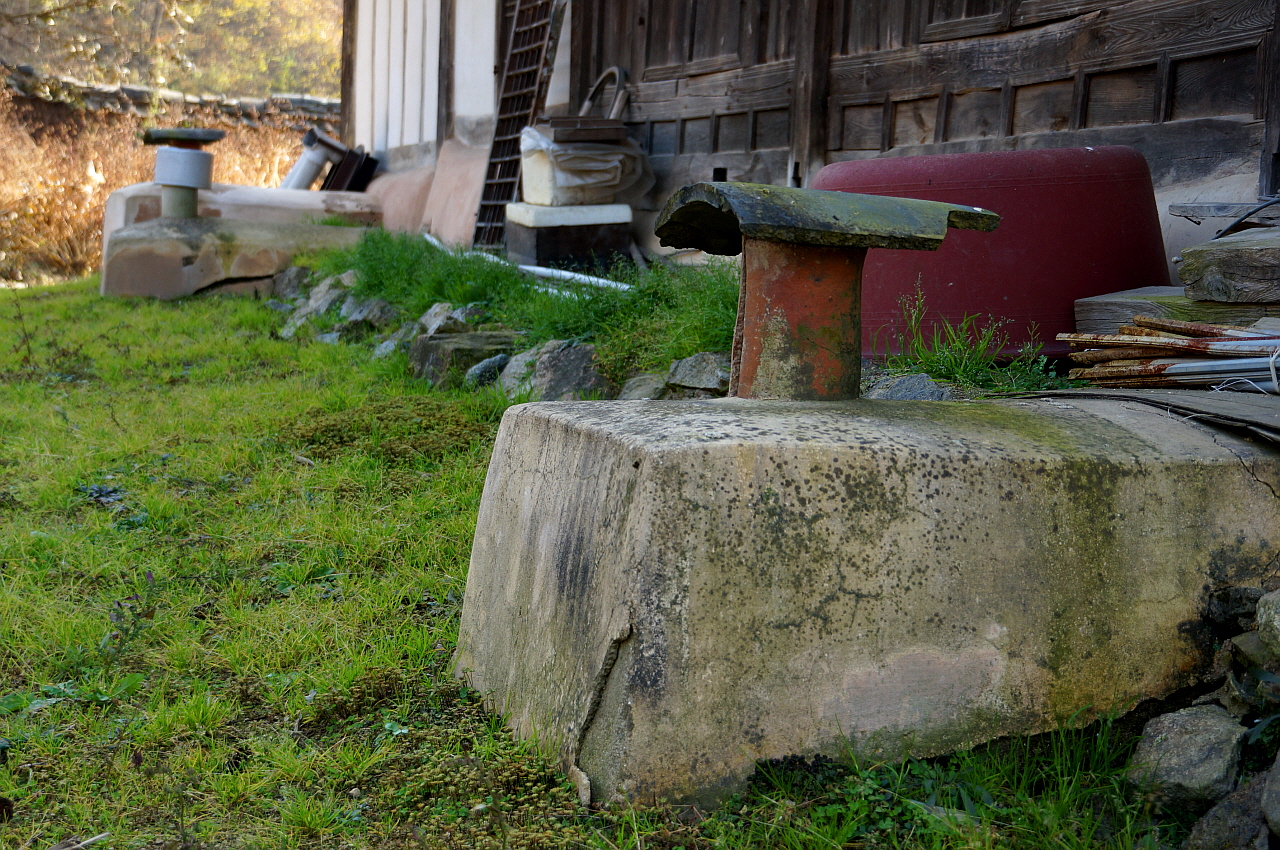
598 686
1248 468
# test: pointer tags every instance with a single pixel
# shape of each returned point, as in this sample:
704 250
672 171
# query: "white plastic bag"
569 174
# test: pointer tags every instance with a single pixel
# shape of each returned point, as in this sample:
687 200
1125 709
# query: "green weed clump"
413 274
1065 789
969 353
665 314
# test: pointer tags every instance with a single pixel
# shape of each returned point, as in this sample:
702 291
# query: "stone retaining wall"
291 111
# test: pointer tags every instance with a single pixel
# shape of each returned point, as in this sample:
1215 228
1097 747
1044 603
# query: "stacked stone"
293 111
1190 760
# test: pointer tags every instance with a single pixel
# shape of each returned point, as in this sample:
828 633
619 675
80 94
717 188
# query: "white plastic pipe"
181 173
537 271
306 169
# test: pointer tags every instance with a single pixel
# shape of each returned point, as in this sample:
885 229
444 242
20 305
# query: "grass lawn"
231 569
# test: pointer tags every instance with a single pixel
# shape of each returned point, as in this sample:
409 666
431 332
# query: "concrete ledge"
140 202
664 592
175 257
533 215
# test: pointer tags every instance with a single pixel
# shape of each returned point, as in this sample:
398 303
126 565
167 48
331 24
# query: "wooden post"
444 92
1269 95
346 90
812 39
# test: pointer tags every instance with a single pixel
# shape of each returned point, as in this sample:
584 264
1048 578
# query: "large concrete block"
141 202
174 257
662 593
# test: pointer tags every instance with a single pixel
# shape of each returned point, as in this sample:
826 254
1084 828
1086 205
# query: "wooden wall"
769 90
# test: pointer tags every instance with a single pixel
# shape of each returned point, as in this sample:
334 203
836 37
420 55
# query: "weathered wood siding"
769 90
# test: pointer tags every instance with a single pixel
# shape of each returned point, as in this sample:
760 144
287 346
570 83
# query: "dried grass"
59 166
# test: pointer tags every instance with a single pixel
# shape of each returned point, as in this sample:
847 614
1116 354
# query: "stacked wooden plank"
1231 280
1161 352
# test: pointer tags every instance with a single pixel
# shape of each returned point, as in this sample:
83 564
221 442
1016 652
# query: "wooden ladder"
531 50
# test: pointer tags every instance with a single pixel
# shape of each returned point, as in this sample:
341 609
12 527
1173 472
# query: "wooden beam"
350 18
1129 35
444 79
811 37
584 50
1269 95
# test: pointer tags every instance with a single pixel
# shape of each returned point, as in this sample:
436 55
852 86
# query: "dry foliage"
60 164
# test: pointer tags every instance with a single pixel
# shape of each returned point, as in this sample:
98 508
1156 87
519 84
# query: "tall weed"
968 353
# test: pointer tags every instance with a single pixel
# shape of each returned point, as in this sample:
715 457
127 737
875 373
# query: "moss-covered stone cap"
715 217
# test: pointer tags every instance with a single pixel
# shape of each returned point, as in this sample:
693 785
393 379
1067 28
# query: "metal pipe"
317 151
182 173
799 329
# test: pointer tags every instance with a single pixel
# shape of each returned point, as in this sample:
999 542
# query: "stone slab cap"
534 215
716 217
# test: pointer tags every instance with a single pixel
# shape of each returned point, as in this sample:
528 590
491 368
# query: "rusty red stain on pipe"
799 330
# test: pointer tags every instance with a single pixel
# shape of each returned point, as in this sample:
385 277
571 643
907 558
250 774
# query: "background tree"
238 47
255 46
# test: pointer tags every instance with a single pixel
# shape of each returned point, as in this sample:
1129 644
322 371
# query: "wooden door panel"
948 19
717 29
866 26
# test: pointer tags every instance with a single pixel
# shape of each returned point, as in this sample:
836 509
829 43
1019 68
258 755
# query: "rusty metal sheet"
1221 347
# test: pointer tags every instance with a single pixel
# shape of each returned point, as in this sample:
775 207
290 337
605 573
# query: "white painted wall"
395 91
396 80
474 62
558 87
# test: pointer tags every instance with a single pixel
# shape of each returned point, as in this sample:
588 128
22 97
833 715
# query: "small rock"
469 315
651 386
703 371
1268 614
385 349
1253 653
557 370
330 338
682 393
918 387
515 375
278 306
567 373
372 311
1191 757
1270 802
581 783
1231 696
441 320
436 359
323 296
398 341
1233 605
1235 823
290 283
486 371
